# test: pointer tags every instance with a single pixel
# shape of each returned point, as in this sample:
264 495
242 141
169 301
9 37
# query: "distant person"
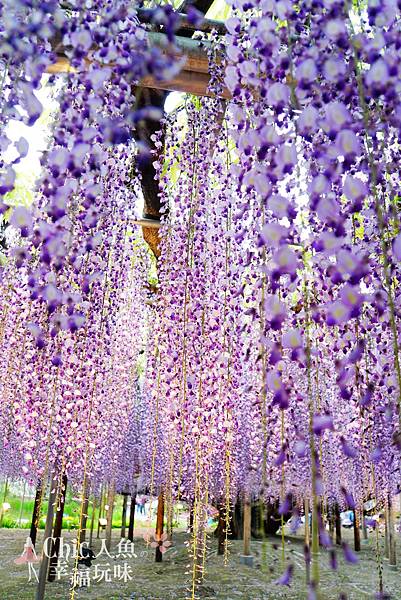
141 504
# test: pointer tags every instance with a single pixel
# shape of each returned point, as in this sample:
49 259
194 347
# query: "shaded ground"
147 580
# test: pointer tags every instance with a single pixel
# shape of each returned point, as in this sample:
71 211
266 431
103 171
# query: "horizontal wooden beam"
150 223
193 79
145 15
187 82
193 51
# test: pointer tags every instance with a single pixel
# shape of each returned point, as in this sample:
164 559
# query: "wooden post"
159 525
124 515
364 528
109 525
391 534
386 532
169 523
247 527
221 532
58 525
331 519
40 590
4 499
131 525
338 525
357 535
102 495
36 513
83 516
94 505
191 517
315 541
307 528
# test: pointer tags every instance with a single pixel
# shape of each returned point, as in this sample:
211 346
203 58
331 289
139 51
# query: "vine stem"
315 497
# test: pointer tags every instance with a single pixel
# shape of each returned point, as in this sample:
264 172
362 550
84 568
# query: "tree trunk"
132 518
357 535
159 525
58 526
36 514
386 532
4 499
40 590
331 519
84 516
191 518
124 515
247 527
364 528
307 528
94 506
338 525
391 534
102 495
221 531
109 526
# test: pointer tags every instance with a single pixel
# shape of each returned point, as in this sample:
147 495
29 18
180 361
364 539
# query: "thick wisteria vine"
273 350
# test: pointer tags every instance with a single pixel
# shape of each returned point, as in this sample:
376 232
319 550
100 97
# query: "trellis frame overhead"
194 76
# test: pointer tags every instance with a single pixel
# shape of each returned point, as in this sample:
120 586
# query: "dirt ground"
134 575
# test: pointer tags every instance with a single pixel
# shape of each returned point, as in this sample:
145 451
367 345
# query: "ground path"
147 580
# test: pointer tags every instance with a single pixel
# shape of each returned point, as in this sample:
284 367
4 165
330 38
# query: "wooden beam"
150 223
188 82
193 78
145 15
193 51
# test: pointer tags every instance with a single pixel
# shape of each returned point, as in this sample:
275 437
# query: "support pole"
391 535
109 525
338 525
247 527
331 519
364 528
191 517
84 516
40 590
131 525
357 535
315 540
4 499
221 528
36 514
159 525
307 528
102 495
386 532
124 515
94 506
58 525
